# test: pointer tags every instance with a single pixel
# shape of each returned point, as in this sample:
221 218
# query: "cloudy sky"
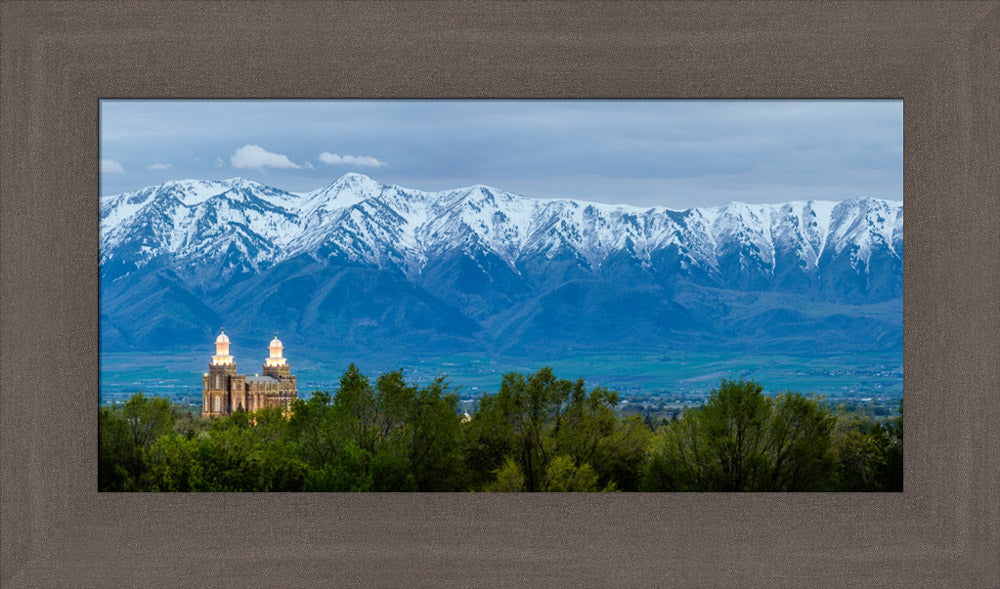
676 153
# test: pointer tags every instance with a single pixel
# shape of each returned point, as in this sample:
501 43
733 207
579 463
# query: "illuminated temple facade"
224 391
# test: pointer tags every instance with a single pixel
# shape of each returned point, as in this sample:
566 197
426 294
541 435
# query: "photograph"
512 295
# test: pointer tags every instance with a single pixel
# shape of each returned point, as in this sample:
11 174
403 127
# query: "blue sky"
675 153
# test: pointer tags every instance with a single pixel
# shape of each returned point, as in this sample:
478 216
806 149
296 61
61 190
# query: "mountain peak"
239 180
356 180
355 175
352 182
183 182
349 189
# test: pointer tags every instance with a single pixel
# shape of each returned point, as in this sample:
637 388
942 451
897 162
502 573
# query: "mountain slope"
360 263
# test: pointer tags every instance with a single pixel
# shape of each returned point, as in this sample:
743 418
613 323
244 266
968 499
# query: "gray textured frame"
57 59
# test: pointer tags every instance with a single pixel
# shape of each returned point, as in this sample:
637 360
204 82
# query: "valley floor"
656 380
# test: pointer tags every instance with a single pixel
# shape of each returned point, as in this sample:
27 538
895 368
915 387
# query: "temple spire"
275 349
222 349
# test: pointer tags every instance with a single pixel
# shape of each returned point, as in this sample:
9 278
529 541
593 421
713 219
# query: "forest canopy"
537 433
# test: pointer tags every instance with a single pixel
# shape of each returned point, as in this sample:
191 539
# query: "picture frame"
59 59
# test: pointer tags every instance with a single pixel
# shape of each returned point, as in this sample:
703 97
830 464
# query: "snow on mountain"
245 222
385 225
348 190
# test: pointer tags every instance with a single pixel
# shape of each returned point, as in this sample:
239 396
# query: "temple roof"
262 380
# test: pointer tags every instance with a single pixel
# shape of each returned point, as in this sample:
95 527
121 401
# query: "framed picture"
59 61
501 295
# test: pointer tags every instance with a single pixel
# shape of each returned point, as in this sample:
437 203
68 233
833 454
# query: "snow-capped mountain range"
384 225
478 256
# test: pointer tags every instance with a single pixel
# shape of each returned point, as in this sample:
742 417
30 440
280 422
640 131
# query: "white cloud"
111 167
158 166
355 160
219 162
255 157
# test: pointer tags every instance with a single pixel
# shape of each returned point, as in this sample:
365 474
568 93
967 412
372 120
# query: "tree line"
537 433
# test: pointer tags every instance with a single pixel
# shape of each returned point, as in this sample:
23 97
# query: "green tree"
434 440
125 435
317 429
582 428
508 478
328 438
860 461
355 404
536 418
148 418
591 433
800 445
392 436
490 441
174 464
347 471
117 458
249 452
390 469
740 440
519 421
624 454
869 452
415 437
564 475
733 424
892 448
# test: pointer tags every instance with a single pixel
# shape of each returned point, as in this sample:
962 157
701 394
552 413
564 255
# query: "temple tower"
275 364
216 383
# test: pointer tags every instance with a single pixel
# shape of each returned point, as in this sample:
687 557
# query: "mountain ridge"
480 266
417 219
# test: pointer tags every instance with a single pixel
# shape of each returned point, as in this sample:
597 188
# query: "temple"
225 391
